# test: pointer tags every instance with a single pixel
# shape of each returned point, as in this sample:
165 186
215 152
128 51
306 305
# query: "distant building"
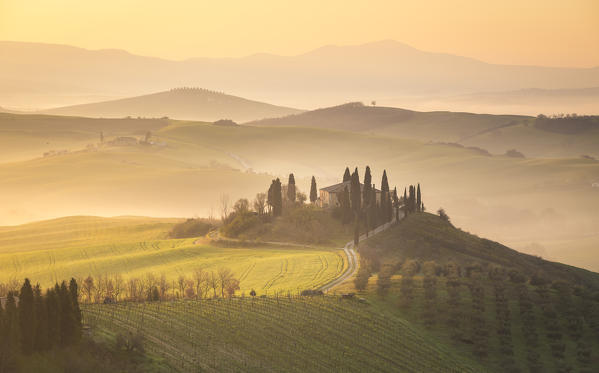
329 196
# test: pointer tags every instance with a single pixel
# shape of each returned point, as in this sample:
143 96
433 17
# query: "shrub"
241 223
191 228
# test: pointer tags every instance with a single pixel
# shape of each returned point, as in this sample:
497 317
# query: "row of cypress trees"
33 322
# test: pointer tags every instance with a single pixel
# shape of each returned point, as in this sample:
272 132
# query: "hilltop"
180 103
48 74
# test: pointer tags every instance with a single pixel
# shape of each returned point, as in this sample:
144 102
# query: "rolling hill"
181 103
507 310
189 165
45 75
132 247
494 133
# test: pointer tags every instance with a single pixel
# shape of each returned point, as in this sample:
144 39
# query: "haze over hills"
493 133
180 103
42 75
190 164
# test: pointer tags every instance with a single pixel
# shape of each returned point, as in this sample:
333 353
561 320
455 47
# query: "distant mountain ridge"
324 76
179 103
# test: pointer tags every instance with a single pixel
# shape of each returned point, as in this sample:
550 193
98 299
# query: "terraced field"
58 249
280 334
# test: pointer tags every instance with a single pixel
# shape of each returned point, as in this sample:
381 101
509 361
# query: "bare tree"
224 276
199 276
213 281
224 206
260 203
118 286
181 283
88 287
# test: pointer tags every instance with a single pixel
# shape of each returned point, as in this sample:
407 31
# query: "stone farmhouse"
329 196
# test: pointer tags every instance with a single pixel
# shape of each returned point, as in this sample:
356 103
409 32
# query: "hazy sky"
542 32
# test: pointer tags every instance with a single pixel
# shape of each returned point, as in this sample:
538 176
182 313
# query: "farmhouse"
329 196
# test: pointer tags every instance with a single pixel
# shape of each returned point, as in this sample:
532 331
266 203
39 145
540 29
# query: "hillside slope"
181 103
283 334
510 311
494 133
426 237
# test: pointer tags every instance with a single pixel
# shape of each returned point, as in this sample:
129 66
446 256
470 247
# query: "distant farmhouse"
329 196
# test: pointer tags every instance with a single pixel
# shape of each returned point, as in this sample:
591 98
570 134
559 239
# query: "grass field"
520 202
322 334
59 249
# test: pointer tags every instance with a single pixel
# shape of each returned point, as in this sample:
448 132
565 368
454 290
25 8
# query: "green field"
520 202
59 249
321 334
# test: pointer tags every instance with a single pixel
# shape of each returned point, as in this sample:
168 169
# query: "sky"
531 32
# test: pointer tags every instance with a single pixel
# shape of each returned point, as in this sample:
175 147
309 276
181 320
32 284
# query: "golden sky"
540 32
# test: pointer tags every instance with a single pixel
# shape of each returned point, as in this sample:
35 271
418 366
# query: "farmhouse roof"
338 188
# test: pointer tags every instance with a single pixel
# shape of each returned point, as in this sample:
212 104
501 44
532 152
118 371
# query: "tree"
443 215
26 318
418 199
356 199
74 293
345 205
346 175
68 321
291 188
41 320
367 187
301 198
148 137
313 192
10 334
88 287
242 206
386 208
275 198
396 203
224 206
260 203
101 137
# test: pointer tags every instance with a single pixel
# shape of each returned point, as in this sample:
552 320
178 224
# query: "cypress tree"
291 188
11 325
41 318
26 318
396 203
356 200
355 192
53 312
345 205
313 192
405 202
418 199
367 187
67 316
74 293
346 175
385 199
277 198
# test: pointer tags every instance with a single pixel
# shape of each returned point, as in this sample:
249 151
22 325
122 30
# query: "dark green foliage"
366 192
26 318
346 175
345 206
240 223
37 322
313 191
275 197
361 280
191 228
418 199
355 192
443 215
384 279
291 188
567 124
